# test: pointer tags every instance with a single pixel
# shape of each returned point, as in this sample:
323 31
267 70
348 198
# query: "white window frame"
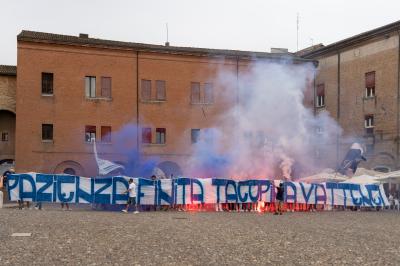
160 136
90 86
320 101
369 123
371 94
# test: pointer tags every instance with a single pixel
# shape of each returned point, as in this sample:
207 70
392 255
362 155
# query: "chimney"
279 51
83 35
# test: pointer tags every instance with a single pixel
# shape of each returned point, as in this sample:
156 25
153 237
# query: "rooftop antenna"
167 42
298 19
312 41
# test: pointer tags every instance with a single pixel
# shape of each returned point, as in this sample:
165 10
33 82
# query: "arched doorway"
70 168
7 135
170 168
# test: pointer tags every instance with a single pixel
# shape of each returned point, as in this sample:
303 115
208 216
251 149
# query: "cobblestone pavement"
174 238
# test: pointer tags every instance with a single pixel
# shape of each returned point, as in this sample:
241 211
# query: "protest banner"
110 190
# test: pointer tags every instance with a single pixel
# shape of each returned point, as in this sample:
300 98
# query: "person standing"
66 206
391 201
279 199
131 196
11 171
1 192
155 206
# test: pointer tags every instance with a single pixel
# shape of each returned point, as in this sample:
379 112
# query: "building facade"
8 85
358 83
139 102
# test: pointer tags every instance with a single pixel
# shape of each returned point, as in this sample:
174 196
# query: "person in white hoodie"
131 196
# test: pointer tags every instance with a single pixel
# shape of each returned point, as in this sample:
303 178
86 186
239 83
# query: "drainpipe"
338 107
398 101
314 93
137 106
237 82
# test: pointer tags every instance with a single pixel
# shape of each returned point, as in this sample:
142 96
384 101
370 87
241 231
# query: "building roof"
356 39
8 70
84 40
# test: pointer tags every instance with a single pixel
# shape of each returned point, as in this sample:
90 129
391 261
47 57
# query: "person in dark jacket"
279 199
353 157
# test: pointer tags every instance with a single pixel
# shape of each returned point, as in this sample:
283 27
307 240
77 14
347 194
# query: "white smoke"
268 131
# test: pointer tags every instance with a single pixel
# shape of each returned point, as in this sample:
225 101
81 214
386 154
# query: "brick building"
358 83
8 84
72 89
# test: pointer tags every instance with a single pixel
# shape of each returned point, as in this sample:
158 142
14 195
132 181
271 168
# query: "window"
90 133
160 135
369 144
160 87
146 90
208 93
319 130
369 124
90 87
195 92
195 135
4 136
47 83
146 135
370 84
369 121
106 134
47 131
320 101
106 87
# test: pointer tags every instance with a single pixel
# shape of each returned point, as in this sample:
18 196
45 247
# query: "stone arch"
69 167
169 167
383 161
7 132
6 109
382 168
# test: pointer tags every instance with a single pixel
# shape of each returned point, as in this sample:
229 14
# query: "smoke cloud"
268 131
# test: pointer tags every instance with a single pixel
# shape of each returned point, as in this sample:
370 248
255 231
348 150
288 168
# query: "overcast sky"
254 25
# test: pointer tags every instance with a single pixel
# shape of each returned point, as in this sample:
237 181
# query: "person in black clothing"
279 199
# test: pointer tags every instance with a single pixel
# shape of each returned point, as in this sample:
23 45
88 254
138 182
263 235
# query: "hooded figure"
353 157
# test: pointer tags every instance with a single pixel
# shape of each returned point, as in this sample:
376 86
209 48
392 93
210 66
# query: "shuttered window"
106 87
208 93
195 92
160 87
370 84
370 79
146 135
106 134
146 90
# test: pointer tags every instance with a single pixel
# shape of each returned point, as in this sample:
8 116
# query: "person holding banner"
279 199
131 196
1 192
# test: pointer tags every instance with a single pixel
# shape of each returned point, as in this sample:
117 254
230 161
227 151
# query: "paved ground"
94 237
